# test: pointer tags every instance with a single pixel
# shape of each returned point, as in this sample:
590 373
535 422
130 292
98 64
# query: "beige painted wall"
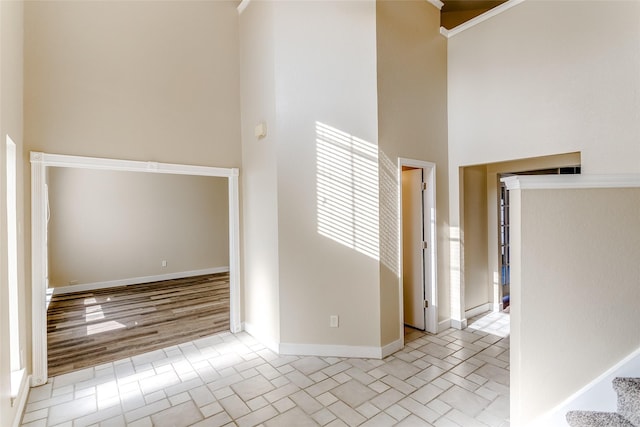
326 106
151 81
11 124
156 81
259 180
412 123
572 87
476 276
107 225
575 277
480 226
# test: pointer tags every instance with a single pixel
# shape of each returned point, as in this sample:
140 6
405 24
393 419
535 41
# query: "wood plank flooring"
94 327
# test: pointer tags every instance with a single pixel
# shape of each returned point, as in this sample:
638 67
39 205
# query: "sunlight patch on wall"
347 190
390 213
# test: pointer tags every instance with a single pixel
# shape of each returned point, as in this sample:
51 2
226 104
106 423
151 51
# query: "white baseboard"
443 325
21 400
459 324
478 310
266 340
324 350
136 280
331 350
392 347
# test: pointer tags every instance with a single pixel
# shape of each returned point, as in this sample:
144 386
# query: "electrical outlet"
334 321
164 262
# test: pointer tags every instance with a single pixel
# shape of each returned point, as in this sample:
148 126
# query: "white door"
413 253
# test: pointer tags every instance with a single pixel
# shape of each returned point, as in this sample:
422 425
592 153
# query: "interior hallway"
455 378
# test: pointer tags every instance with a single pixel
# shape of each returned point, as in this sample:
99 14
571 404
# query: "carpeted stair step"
597 419
628 390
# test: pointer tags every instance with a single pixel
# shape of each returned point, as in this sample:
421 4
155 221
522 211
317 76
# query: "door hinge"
424 245
426 304
424 186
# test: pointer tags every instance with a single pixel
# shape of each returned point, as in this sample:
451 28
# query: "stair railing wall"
575 251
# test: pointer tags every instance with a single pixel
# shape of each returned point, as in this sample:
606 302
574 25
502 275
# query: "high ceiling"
456 12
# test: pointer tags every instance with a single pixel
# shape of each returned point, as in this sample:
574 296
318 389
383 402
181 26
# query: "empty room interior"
319 213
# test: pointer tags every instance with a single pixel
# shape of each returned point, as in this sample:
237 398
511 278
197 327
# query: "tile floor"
455 378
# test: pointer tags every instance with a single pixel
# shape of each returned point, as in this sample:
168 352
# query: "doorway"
485 228
39 164
418 245
504 240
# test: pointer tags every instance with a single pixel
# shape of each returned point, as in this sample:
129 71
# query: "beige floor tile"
346 413
181 415
353 393
252 387
257 417
380 420
454 378
309 365
293 417
463 400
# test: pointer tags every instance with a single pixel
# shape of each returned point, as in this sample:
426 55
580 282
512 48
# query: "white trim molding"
480 18
324 350
437 3
392 347
59 290
20 400
333 350
443 325
459 324
265 340
431 281
483 308
559 182
39 164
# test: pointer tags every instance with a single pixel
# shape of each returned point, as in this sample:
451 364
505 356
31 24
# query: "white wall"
151 81
574 274
11 125
108 226
545 78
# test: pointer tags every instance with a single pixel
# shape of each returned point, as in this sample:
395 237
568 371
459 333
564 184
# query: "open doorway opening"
485 227
504 218
137 261
418 245
41 162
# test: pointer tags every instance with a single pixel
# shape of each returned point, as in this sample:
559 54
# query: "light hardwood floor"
90 328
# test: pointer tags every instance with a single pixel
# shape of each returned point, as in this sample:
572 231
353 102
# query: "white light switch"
333 321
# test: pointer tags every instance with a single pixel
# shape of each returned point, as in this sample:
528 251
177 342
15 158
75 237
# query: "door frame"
39 249
429 221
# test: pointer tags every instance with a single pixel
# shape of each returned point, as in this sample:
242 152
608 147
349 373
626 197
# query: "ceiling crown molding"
436 3
561 182
480 18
